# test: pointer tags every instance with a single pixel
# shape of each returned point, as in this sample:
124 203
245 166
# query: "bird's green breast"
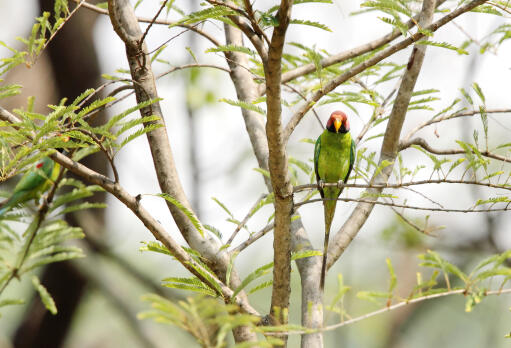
334 156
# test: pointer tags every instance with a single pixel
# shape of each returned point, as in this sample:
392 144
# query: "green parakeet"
334 155
34 182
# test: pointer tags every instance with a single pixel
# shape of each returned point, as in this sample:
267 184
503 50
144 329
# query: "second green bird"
33 183
334 155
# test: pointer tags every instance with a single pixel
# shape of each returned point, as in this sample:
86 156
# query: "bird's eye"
39 165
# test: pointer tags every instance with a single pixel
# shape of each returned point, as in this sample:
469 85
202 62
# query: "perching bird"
33 183
334 155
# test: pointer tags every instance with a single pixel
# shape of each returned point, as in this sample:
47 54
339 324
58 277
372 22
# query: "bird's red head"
338 123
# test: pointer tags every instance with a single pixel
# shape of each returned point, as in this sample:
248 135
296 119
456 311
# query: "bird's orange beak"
337 125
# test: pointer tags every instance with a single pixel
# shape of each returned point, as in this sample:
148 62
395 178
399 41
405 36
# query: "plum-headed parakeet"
33 183
334 155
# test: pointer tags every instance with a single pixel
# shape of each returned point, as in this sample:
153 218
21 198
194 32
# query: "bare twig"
396 306
407 206
452 116
151 23
102 148
253 238
305 187
245 219
422 143
305 98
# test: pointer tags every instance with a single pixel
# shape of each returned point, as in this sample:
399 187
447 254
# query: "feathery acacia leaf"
244 105
191 216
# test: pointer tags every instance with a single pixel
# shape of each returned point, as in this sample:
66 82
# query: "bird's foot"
321 184
340 184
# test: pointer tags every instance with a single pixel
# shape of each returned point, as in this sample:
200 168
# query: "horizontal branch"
422 143
393 307
308 187
453 116
406 206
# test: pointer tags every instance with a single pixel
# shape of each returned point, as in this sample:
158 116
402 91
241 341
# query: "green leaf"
215 12
310 23
46 298
192 284
493 200
261 286
156 247
142 131
189 214
213 230
232 48
467 96
442 45
244 105
264 172
217 201
393 278
479 92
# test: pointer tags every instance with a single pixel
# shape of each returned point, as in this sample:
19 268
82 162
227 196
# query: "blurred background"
214 159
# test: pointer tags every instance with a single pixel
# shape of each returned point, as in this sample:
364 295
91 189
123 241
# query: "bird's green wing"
353 153
35 177
317 149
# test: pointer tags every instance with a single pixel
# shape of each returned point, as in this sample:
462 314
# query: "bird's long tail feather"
329 209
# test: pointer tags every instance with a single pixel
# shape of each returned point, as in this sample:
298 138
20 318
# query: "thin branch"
422 143
396 306
79 4
251 17
376 114
190 66
9 117
306 187
337 81
452 116
151 24
158 21
305 98
245 219
253 238
411 223
407 206
102 148
500 7
252 36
